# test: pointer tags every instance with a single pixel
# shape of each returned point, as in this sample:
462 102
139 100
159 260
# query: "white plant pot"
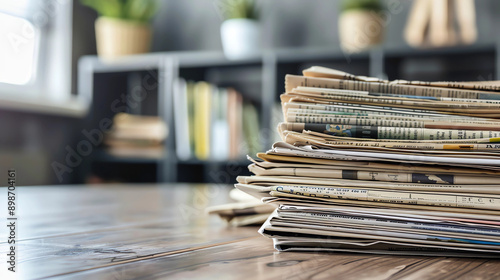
359 30
117 37
240 38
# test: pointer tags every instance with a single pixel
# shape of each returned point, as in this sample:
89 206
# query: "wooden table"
162 231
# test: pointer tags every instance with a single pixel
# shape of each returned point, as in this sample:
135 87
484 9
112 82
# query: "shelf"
444 51
102 155
138 62
210 59
239 162
298 55
286 55
152 61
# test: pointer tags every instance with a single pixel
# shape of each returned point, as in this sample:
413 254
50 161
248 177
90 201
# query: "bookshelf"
260 78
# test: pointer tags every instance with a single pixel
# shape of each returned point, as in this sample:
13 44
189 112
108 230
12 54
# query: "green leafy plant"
367 5
231 9
135 10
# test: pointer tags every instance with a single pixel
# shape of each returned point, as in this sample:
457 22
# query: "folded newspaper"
246 211
385 167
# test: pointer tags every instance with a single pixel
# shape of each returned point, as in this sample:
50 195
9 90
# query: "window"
17 50
35 56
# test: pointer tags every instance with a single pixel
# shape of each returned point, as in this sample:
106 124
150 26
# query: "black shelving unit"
259 78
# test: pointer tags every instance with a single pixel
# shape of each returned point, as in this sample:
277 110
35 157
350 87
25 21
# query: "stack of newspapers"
386 167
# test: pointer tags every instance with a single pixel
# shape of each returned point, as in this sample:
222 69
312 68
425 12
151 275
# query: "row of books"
213 123
386 167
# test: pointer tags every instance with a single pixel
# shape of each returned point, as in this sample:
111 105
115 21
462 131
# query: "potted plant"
123 26
361 25
240 31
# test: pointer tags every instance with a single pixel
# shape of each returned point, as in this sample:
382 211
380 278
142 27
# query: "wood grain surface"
162 231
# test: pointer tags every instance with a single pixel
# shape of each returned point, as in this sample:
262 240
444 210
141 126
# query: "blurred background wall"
195 24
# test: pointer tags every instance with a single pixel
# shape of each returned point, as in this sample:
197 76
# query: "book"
182 119
202 109
219 132
251 128
191 109
235 108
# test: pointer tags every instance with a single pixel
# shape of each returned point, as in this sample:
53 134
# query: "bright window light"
17 50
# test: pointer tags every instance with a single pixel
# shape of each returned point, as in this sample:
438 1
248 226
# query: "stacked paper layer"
386 167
